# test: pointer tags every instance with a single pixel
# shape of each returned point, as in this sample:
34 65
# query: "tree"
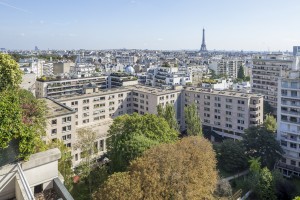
265 186
259 142
231 156
10 73
168 113
27 115
85 142
241 73
268 109
65 162
192 120
131 135
182 170
270 123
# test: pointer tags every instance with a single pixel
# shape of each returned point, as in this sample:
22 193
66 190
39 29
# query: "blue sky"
150 24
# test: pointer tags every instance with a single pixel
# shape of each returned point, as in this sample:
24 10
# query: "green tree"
231 156
85 142
268 109
10 73
166 172
297 198
255 165
241 73
192 120
270 123
22 118
265 187
65 162
168 113
131 135
259 142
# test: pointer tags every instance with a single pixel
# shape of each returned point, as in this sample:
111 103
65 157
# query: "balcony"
290 112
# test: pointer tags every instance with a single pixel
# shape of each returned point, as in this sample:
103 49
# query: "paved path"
236 175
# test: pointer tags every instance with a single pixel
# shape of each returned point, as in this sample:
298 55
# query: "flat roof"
232 93
55 109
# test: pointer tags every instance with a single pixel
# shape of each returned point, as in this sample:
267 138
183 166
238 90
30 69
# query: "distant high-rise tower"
203 45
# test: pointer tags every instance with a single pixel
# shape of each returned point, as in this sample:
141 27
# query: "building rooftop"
232 93
56 109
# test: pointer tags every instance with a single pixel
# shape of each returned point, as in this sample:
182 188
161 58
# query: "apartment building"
228 113
118 79
265 74
227 66
288 120
95 109
56 87
160 76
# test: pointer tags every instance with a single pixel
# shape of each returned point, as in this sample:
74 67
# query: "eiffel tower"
203 45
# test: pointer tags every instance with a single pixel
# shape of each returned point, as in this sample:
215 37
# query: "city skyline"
141 24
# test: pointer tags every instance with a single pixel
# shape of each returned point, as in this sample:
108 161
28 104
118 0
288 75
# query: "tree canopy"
10 73
259 142
131 135
241 73
168 113
182 170
270 123
192 120
22 118
231 155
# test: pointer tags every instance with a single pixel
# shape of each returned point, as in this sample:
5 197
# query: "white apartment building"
228 113
160 76
54 87
31 65
288 122
95 109
227 66
265 74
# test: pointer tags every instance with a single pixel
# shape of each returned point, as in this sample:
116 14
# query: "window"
217 99
53 131
120 95
111 97
86 108
101 146
241 102
217 105
293 145
241 108
240 121
86 114
240 128
229 125
293 162
85 121
111 103
217 117
86 101
141 95
229 106
229 100
206 103
228 119
217 123
74 103
217 111
206 121
241 115
206 109
54 122
206 115
228 113
206 97
141 101
76 156
66 119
